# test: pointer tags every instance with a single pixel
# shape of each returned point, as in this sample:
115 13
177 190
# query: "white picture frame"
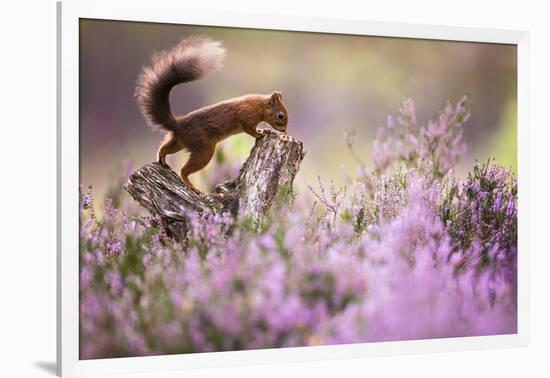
69 13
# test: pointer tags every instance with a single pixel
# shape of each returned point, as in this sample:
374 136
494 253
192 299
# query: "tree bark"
269 170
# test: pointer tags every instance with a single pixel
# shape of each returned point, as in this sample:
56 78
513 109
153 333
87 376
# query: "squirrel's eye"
281 116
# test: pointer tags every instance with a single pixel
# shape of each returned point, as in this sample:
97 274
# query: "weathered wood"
272 165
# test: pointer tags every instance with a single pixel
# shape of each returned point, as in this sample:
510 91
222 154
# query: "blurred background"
330 83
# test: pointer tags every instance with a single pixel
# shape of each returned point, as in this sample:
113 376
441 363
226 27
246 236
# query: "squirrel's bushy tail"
193 58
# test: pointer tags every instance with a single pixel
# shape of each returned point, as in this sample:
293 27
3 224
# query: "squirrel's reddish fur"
199 131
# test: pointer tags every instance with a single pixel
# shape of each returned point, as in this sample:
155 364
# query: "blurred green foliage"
504 147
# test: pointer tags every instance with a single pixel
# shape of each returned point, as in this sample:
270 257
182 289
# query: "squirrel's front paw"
264 132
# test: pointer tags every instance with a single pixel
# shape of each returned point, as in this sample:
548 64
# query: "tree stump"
271 167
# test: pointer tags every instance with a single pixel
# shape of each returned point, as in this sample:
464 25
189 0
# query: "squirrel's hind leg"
168 147
198 159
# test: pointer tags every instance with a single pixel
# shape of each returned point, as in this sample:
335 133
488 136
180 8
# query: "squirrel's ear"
276 97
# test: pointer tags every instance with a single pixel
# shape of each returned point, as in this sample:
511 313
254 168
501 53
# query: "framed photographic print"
238 189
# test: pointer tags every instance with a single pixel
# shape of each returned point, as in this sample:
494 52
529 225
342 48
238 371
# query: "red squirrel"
199 131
